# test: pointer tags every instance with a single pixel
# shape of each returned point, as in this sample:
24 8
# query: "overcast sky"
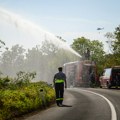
69 19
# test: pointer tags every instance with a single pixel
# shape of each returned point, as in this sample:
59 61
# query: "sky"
69 19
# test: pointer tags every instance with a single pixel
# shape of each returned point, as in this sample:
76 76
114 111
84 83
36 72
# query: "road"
83 105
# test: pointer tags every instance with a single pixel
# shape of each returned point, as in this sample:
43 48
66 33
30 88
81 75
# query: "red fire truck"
78 73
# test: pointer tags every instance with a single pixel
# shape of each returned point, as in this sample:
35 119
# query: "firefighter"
59 83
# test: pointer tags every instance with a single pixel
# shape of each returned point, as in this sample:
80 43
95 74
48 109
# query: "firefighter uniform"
59 80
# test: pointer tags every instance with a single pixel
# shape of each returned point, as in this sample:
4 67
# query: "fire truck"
78 73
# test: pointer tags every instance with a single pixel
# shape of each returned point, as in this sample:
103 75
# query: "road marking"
113 111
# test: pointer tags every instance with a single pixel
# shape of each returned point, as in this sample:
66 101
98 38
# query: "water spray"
34 30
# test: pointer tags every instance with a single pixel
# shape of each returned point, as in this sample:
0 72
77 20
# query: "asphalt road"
82 105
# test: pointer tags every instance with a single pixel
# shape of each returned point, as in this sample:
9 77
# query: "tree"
97 52
2 46
113 58
110 36
80 45
116 46
12 60
48 48
35 62
95 47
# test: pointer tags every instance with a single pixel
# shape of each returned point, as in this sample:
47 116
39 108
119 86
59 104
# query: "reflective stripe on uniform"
59 81
59 98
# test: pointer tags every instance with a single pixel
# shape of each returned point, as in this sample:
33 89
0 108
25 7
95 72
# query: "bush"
25 99
4 82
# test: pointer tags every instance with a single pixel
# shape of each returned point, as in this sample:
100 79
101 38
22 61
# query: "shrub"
25 99
4 82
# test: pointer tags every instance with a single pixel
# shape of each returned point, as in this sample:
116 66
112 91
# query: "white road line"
113 111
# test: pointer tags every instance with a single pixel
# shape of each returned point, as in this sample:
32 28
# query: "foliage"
44 59
113 59
116 46
4 82
110 36
80 45
24 78
25 99
95 47
48 48
12 60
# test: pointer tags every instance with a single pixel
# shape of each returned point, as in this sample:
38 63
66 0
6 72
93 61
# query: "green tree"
97 52
113 58
116 46
80 45
96 48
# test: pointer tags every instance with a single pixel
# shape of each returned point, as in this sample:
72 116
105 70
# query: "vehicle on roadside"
110 77
78 73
